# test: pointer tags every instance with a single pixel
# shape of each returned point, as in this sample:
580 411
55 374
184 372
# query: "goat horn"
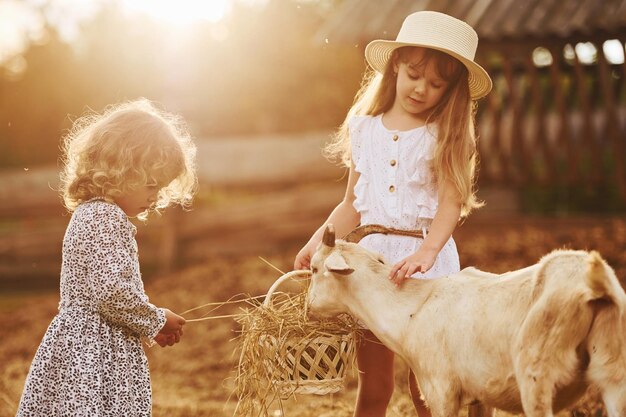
360 232
329 236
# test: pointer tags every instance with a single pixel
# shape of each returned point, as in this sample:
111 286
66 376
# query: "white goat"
531 340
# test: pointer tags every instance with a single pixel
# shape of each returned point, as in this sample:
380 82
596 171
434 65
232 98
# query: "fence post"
612 124
168 248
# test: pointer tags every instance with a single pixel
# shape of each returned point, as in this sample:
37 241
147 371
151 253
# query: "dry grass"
197 377
283 352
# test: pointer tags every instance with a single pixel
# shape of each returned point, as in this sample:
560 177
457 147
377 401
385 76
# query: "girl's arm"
116 294
344 218
444 223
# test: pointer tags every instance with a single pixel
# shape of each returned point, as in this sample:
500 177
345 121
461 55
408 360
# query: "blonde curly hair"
128 146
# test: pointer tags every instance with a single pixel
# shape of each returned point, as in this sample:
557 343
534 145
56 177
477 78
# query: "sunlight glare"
179 12
614 51
20 24
586 52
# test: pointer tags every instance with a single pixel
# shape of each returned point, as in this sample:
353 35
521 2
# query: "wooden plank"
516 157
442 6
459 8
559 21
257 222
489 25
235 162
622 40
580 21
536 24
494 157
272 159
620 16
363 20
589 144
412 6
540 143
30 275
563 141
476 12
607 17
260 210
25 243
524 150
169 247
256 225
515 20
612 124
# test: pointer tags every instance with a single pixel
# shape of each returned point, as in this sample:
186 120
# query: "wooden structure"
556 117
260 208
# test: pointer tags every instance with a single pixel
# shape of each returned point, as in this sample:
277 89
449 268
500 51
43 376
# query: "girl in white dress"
124 163
410 144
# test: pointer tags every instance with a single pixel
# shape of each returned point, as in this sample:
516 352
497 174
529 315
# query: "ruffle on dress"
423 194
361 190
356 126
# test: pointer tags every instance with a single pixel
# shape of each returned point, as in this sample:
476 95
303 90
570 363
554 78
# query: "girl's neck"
399 119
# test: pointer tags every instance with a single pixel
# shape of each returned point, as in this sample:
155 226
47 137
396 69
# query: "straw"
283 353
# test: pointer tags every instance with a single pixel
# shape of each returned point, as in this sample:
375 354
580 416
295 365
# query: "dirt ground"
195 377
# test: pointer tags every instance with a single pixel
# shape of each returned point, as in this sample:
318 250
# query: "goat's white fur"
531 340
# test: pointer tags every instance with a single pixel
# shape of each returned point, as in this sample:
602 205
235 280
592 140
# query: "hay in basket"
283 353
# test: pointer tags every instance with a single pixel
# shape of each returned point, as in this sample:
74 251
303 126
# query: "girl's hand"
303 258
166 339
173 324
420 261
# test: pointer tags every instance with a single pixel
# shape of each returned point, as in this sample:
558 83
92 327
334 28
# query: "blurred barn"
554 125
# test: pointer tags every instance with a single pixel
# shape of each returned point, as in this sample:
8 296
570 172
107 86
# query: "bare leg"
376 380
416 396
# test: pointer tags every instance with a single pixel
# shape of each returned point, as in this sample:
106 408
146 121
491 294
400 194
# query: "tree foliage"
260 70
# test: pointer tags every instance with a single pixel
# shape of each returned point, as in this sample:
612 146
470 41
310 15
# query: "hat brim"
378 52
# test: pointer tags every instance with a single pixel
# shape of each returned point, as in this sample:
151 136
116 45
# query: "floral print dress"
91 361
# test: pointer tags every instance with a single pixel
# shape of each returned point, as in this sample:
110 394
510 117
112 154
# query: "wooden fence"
257 195
251 222
558 124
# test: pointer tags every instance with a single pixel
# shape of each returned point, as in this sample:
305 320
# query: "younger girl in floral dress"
118 165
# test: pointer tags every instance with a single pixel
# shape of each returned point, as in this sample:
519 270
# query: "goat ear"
336 264
329 236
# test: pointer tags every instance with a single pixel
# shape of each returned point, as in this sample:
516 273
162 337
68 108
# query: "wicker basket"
306 365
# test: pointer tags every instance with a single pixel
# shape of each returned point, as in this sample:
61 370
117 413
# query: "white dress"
396 188
90 362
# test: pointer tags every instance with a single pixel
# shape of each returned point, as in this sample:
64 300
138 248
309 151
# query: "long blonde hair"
130 145
455 157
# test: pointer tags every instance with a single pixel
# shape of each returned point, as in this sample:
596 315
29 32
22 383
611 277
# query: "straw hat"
436 31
